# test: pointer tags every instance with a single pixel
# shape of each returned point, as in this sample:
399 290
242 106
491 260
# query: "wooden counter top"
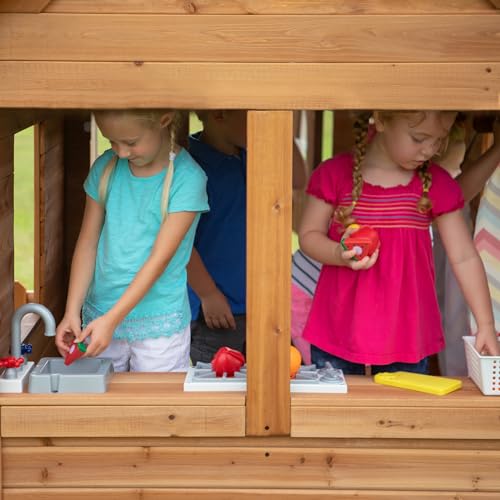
125 389
167 389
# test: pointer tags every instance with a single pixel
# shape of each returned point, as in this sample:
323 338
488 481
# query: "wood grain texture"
269 226
24 6
309 39
263 467
263 7
6 241
231 494
115 421
61 85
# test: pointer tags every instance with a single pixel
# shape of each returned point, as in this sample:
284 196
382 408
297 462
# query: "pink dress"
388 313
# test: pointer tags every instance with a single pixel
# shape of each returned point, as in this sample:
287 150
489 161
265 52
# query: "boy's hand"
67 330
487 342
101 333
216 311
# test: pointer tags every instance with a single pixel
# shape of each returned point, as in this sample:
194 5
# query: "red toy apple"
364 240
228 361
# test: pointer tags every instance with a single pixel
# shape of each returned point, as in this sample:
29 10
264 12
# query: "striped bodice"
389 210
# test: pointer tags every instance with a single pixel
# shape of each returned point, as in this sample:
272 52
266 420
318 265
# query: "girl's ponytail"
344 214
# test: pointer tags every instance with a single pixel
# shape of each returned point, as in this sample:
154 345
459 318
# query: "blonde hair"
424 204
150 117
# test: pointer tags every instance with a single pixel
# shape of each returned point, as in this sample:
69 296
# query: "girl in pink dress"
382 310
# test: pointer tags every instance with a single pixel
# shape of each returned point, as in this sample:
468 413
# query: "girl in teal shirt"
128 275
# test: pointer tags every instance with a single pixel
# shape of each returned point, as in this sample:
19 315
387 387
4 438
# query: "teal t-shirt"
131 225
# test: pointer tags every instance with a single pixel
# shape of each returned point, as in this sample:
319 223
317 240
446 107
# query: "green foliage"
24 207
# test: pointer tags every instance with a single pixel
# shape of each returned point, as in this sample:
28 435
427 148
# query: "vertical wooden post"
269 222
49 215
6 240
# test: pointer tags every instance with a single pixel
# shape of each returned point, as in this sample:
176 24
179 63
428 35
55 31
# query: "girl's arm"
314 240
469 271
169 238
475 175
82 270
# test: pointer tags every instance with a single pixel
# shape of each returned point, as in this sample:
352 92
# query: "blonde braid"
344 214
174 128
104 180
424 204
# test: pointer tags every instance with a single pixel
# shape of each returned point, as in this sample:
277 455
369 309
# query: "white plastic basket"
483 370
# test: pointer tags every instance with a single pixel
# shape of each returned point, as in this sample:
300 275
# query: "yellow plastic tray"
419 382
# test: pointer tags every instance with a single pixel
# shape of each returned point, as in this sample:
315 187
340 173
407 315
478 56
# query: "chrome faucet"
15 343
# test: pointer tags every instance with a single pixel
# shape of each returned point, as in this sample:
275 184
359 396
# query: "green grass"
24 207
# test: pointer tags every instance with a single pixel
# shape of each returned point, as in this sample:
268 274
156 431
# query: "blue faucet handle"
26 348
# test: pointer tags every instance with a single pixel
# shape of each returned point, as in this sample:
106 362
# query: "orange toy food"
295 361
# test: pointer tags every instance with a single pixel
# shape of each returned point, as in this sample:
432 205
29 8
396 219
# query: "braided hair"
344 214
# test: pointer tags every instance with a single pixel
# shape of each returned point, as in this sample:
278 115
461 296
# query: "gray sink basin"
83 375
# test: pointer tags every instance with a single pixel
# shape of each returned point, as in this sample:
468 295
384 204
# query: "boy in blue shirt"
217 269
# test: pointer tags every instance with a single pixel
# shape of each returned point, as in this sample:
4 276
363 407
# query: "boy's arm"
198 277
214 304
480 170
469 271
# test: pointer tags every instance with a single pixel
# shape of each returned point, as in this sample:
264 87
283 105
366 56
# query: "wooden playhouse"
145 438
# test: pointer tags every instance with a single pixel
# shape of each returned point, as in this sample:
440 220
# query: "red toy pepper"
11 362
75 351
364 240
228 361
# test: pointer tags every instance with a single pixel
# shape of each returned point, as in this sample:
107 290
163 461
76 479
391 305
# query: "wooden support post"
7 240
269 211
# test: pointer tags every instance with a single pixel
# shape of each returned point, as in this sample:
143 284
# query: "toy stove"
308 379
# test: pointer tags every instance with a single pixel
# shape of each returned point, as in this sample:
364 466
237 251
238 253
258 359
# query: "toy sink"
85 375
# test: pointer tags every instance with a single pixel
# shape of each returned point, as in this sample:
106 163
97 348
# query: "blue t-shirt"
221 234
131 225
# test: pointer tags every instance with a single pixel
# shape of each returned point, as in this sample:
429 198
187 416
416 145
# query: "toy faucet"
15 343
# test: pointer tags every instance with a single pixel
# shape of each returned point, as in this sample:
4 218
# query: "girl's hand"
487 342
346 257
101 332
217 311
66 332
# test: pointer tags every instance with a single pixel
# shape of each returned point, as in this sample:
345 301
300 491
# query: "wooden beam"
269 225
206 467
67 421
58 85
262 7
232 493
23 6
293 38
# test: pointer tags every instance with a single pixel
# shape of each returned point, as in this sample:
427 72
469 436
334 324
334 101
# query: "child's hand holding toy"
359 247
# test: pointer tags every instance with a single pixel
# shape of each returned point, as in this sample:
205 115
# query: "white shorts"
163 354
